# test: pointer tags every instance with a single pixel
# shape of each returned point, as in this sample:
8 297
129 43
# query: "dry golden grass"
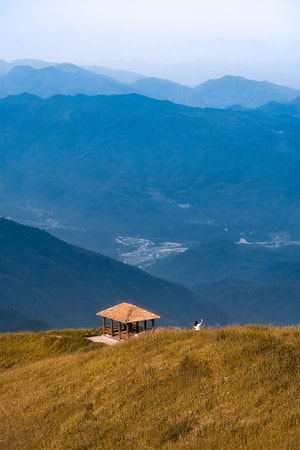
230 388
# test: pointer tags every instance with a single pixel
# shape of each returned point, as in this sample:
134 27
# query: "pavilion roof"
127 313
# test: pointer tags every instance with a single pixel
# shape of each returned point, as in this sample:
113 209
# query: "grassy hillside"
229 388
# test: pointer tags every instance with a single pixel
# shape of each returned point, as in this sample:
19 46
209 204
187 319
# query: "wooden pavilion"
130 320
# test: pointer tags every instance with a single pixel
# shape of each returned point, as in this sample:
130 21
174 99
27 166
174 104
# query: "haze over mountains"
140 179
45 79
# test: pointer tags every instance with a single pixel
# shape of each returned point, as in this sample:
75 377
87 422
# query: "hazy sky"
184 40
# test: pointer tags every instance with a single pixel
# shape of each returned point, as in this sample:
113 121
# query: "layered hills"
96 168
64 79
38 78
138 179
47 280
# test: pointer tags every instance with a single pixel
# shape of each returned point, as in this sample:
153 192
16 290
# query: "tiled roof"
127 313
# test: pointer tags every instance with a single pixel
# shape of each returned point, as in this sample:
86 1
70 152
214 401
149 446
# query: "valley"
143 252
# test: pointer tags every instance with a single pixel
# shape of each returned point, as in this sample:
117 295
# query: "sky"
188 41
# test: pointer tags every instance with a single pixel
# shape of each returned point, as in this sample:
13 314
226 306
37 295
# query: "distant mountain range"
45 282
139 179
92 169
120 75
47 79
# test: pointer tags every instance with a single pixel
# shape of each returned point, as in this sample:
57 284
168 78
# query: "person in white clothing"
197 325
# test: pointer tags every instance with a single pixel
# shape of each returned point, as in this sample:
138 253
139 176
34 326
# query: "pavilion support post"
119 329
111 327
152 324
145 325
103 325
137 327
127 330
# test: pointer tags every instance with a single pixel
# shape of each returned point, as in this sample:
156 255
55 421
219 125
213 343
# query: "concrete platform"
104 339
